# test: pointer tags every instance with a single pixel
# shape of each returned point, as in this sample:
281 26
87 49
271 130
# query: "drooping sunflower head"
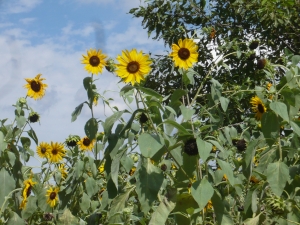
43 150
85 144
62 169
94 61
258 107
28 184
52 194
190 147
35 87
72 140
34 117
185 53
133 66
57 152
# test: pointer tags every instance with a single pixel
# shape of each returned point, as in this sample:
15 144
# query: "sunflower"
43 150
62 169
23 203
52 194
86 144
208 206
101 168
95 61
258 107
132 171
28 184
133 66
35 86
185 53
57 151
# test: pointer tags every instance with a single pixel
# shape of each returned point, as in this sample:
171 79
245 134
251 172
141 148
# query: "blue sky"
49 37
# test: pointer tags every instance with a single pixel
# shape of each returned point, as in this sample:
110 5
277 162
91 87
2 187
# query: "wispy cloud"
19 6
26 21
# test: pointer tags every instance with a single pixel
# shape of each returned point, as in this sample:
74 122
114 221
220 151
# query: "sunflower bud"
261 63
34 117
254 45
251 56
22 100
163 167
72 140
190 147
240 144
143 118
110 65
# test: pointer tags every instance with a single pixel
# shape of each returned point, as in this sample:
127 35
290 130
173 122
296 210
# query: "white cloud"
19 6
26 21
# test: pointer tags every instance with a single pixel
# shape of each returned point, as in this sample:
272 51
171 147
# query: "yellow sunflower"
52 194
133 66
258 107
62 169
28 184
85 144
23 204
43 150
57 152
36 88
94 60
208 206
101 168
185 53
132 171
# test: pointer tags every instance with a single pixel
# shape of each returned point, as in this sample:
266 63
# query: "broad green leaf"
149 179
204 148
295 127
249 154
30 207
252 221
84 202
202 191
109 122
150 144
21 120
91 186
7 184
11 157
76 112
25 142
171 110
91 128
160 216
87 82
115 165
216 90
177 126
227 169
295 60
222 216
2 142
177 94
187 112
270 127
129 123
184 202
126 88
118 205
277 175
78 170
281 109
14 219
32 134
224 103
151 92
67 218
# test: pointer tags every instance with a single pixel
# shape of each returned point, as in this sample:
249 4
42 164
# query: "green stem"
7 197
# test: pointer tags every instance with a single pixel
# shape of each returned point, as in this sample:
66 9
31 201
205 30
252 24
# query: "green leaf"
187 112
25 142
14 219
85 202
125 89
115 165
2 142
21 120
32 134
78 170
118 205
224 103
277 175
87 82
109 122
177 94
227 169
281 109
150 144
270 127
222 216
204 148
30 207
151 92
67 218
77 112
179 127
11 157
6 186
295 60
202 191
91 128
160 216
91 186
149 179
295 127
129 123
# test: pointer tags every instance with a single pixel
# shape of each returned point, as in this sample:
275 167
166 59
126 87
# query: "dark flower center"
34 118
260 108
133 67
184 53
35 86
94 60
28 191
52 195
43 150
86 142
54 151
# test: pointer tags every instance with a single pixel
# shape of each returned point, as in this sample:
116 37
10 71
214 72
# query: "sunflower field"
209 132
